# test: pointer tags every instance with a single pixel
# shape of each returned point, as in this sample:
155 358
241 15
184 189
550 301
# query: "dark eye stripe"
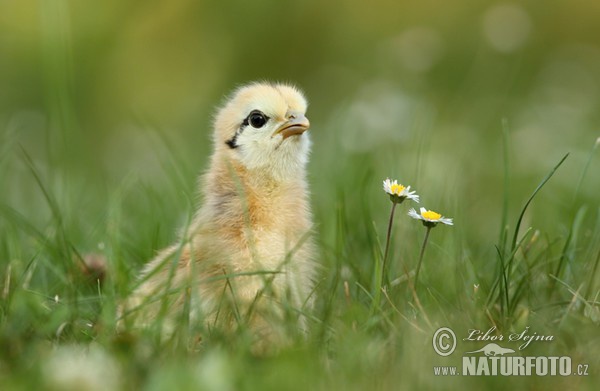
232 142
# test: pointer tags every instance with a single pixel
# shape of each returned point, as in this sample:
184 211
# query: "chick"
247 257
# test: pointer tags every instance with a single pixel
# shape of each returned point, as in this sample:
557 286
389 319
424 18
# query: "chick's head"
263 126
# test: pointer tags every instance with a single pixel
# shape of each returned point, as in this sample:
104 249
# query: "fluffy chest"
260 223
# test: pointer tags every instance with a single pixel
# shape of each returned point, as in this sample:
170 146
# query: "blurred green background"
110 105
86 87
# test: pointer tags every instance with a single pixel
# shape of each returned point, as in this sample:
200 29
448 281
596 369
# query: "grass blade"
537 189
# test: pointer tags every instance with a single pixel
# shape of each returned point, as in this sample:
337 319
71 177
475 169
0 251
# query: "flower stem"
421 257
387 242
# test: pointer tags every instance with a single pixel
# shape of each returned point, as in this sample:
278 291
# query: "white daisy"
399 193
429 217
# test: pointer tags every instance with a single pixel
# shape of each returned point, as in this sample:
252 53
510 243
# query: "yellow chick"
248 257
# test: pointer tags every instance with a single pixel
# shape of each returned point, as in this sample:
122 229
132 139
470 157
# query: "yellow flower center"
397 189
431 215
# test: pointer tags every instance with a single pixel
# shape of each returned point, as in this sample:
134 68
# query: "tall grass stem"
387 243
421 256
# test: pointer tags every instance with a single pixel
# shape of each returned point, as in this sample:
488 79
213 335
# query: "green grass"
55 319
104 127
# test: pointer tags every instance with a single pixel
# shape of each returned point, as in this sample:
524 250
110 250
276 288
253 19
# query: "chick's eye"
257 119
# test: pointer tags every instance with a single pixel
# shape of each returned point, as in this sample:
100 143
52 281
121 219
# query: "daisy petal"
398 192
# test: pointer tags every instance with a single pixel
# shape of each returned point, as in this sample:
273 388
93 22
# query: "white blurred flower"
429 217
81 369
506 26
398 193
379 114
215 372
417 49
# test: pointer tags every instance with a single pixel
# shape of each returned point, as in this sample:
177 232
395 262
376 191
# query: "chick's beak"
296 125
